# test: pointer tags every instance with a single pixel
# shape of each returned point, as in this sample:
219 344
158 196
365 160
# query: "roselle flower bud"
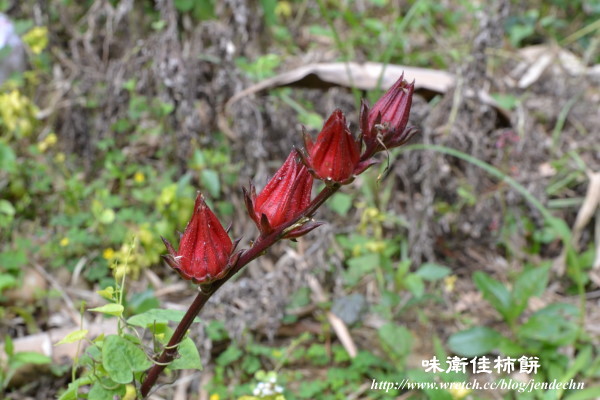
384 125
283 199
204 249
335 155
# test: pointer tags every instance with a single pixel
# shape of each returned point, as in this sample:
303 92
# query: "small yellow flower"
24 126
372 213
459 393
283 9
145 235
130 393
15 100
17 113
37 39
108 253
60 157
64 242
45 144
375 246
449 282
51 139
108 292
277 353
356 250
120 271
139 177
214 396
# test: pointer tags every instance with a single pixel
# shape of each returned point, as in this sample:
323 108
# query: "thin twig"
71 309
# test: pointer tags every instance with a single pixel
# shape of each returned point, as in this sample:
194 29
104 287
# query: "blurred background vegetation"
481 241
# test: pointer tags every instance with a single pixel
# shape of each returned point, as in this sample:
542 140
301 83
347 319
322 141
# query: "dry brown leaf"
589 206
339 327
364 76
535 70
537 59
44 343
584 216
596 265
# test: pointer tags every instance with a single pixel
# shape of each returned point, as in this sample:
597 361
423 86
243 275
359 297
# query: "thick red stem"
259 247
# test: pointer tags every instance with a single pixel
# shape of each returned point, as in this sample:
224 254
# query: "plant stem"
170 351
259 247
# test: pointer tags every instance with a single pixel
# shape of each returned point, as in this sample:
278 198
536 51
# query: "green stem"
340 45
396 38
490 170
558 225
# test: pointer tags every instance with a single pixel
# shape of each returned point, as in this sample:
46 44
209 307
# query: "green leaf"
8 160
507 101
359 267
555 324
189 358
414 283
69 394
210 180
494 292
6 207
7 281
9 347
13 260
231 354
433 272
396 338
204 10
143 301
216 331
474 342
561 228
531 282
158 316
519 32
251 364
401 271
340 203
110 309
106 389
74 337
581 363
73 388
511 348
184 5
436 394
29 357
269 7
311 119
584 394
379 3
317 354
107 216
108 293
121 359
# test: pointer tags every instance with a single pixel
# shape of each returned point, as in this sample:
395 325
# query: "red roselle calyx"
284 206
284 197
204 249
335 155
384 125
